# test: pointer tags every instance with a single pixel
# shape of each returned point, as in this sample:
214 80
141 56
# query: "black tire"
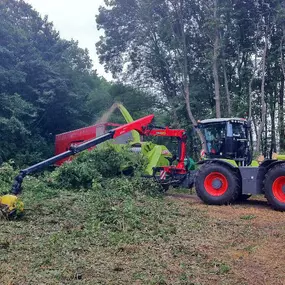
228 192
273 182
165 187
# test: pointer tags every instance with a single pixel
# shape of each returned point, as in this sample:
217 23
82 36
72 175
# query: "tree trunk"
250 85
254 126
264 143
250 97
281 117
215 66
273 133
281 97
263 105
191 117
185 75
227 89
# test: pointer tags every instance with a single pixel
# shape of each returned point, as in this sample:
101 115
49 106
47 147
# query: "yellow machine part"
10 204
278 156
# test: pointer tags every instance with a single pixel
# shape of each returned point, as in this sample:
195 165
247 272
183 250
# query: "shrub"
98 165
7 174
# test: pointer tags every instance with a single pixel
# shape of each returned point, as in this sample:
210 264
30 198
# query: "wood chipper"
159 157
226 173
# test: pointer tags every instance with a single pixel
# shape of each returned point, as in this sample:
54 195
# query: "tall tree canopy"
185 60
203 58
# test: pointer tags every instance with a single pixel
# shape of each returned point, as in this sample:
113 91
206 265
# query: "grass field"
178 240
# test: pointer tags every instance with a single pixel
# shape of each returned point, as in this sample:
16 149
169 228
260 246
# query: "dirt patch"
253 236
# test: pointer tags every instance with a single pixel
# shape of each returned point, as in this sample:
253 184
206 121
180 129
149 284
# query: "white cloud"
74 20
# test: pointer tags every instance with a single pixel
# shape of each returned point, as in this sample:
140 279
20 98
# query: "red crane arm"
138 125
166 132
143 126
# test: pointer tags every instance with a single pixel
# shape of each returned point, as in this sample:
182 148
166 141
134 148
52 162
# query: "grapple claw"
10 205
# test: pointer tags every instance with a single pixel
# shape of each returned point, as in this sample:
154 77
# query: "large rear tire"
274 187
217 184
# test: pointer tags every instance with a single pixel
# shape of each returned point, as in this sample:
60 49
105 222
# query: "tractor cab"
226 138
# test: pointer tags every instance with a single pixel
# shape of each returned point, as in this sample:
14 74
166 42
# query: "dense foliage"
97 167
47 85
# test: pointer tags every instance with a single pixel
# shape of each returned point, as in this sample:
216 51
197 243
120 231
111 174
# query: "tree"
51 77
153 42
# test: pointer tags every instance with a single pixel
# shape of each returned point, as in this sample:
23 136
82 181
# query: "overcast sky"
74 19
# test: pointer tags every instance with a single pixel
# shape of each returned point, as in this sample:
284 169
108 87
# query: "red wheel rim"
278 189
216 184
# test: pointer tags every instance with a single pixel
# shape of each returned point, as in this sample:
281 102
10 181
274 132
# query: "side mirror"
248 124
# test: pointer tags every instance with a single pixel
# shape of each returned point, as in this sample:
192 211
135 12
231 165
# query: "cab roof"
221 120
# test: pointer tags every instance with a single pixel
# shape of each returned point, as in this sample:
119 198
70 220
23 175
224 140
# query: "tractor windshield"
215 137
226 139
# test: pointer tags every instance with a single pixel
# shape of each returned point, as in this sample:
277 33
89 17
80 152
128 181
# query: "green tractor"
227 172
